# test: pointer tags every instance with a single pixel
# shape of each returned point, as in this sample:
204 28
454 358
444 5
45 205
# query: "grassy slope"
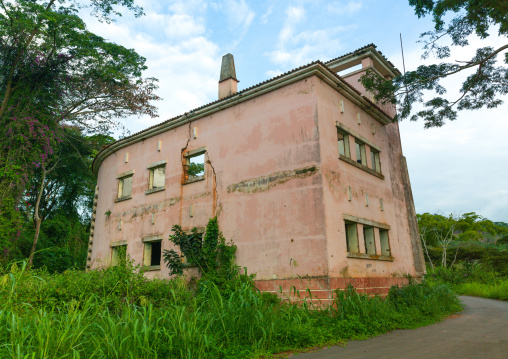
117 313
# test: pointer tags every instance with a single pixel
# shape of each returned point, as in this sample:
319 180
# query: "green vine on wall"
209 252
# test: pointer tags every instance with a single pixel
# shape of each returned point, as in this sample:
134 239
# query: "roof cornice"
313 69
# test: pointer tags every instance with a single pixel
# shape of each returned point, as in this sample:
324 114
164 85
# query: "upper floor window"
124 185
156 177
361 158
343 138
371 165
374 160
194 165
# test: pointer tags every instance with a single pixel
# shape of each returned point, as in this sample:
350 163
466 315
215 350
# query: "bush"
117 313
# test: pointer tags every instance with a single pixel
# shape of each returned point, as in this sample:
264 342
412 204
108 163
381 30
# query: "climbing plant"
209 251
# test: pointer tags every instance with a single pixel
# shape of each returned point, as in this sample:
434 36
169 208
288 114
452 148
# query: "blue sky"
461 167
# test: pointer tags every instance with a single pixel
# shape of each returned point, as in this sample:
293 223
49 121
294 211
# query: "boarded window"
118 255
385 242
125 187
343 140
352 237
360 152
368 236
157 178
374 158
152 253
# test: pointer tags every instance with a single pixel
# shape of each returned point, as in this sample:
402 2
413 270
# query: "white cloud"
343 8
178 54
266 15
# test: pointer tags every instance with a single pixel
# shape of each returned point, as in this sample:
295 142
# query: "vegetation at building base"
467 252
118 313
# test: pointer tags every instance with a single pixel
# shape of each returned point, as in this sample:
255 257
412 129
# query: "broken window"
374 158
368 236
157 176
343 143
385 242
125 186
152 253
118 254
352 237
195 165
360 152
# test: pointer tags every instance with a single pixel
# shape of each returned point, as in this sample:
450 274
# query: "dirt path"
480 331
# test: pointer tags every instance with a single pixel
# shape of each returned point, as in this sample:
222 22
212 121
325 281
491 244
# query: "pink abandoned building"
304 172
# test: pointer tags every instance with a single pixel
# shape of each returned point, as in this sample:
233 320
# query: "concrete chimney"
227 82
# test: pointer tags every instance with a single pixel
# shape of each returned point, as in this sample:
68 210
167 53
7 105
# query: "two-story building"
304 172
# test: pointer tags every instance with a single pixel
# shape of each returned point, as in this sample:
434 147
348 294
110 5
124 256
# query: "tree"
482 89
54 72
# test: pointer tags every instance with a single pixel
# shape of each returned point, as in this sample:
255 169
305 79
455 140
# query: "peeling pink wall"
275 182
339 175
279 232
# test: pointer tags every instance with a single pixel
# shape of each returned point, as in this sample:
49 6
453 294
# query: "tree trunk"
37 218
38 222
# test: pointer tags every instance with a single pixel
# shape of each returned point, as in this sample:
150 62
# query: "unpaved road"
480 331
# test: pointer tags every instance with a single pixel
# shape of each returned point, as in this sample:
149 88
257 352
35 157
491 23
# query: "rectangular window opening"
368 236
157 178
374 158
118 255
360 152
385 242
343 140
125 187
352 237
195 165
152 253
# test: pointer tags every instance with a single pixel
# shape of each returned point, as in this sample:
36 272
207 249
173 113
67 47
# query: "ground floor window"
118 254
152 251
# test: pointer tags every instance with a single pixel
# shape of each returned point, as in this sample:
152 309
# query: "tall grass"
472 278
117 313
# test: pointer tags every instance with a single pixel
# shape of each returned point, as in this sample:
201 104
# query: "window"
194 165
360 152
124 185
343 143
152 251
352 237
156 177
368 236
344 136
374 159
385 242
118 254
369 249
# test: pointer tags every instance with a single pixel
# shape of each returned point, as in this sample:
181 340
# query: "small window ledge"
362 167
370 256
153 190
194 179
123 198
152 268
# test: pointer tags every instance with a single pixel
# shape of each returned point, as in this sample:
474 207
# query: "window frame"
115 247
151 176
148 253
361 152
120 185
374 158
345 143
370 225
186 163
363 142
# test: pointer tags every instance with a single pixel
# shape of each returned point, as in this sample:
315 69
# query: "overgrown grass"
117 313
472 278
497 290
